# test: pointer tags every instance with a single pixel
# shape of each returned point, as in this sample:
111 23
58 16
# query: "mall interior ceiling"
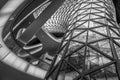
7 73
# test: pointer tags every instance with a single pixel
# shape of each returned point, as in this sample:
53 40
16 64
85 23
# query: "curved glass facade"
79 41
93 37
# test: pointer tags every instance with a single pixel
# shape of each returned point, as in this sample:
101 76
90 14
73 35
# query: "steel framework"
93 33
90 47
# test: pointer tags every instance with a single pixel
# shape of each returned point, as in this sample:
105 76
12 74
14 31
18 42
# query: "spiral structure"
77 40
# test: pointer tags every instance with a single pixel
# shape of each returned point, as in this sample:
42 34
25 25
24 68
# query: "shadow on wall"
2 2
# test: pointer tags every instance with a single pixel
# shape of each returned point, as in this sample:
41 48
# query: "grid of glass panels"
93 37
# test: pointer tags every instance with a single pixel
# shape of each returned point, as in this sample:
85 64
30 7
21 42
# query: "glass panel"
107 73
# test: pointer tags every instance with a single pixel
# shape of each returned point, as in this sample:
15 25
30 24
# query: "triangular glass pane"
85 25
67 35
113 24
75 59
83 5
107 14
77 21
100 3
79 54
84 11
94 16
95 11
117 49
103 46
74 45
80 25
95 5
72 13
113 34
101 9
75 50
77 5
118 41
91 24
115 31
106 73
101 30
111 72
64 43
95 58
78 58
77 32
92 36
78 50
73 65
100 14
95 1
86 17
109 23
92 0
74 16
99 22
80 17
81 37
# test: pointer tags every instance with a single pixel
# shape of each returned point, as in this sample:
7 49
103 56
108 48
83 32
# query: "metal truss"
89 48
93 35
